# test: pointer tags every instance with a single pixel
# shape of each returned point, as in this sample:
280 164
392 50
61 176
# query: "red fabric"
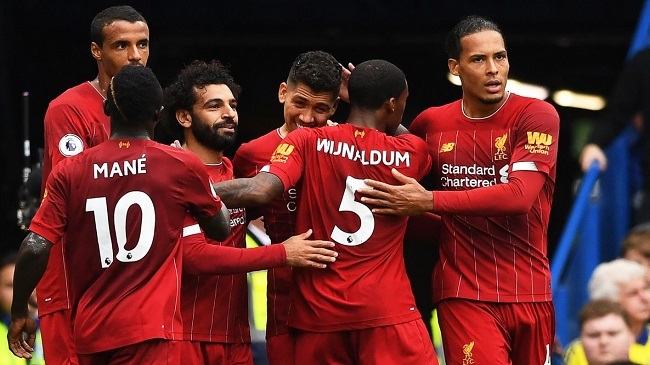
215 308
147 352
517 196
135 297
424 227
77 112
280 349
496 333
56 333
367 286
202 259
216 353
398 344
279 223
493 244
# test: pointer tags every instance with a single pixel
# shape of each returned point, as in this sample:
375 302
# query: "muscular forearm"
206 259
31 262
512 198
249 192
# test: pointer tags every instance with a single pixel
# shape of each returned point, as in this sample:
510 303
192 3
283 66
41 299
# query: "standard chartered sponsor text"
481 176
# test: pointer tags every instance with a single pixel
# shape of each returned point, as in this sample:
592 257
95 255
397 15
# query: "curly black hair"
134 96
181 94
318 70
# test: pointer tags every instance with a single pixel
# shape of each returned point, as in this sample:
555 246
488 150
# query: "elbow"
520 207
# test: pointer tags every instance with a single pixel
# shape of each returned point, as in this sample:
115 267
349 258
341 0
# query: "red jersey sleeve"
50 220
287 161
202 258
536 143
202 200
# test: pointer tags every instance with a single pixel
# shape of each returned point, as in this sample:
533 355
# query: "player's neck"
100 83
365 119
205 154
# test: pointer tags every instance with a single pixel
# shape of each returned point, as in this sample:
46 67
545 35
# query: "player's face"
634 297
305 108
214 117
6 287
483 68
606 339
125 43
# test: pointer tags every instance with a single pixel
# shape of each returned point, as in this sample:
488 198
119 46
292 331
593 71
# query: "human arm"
513 197
345 77
201 258
250 192
31 262
216 227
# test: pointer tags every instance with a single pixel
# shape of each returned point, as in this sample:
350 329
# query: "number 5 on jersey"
349 204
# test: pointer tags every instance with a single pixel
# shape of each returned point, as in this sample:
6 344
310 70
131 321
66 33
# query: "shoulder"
75 96
532 105
175 155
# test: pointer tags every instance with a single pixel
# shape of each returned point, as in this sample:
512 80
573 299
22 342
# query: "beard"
210 135
496 99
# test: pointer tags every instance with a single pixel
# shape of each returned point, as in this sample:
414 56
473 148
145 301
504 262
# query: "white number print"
100 209
348 204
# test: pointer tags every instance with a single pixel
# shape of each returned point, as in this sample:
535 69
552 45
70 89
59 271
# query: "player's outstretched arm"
302 252
217 227
250 192
31 262
407 199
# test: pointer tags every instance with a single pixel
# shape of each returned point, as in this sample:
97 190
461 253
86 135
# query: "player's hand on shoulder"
302 252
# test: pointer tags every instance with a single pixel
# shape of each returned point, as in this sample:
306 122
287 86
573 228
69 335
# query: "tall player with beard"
75 121
494 160
361 309
201 110
309 98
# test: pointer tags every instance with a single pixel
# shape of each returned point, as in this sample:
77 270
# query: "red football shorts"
157 351
399 344
496 333
280 348
56 333
196 352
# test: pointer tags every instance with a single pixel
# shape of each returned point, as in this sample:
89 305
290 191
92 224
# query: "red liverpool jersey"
120 207
367 286
279 222
74 121
493 258
215 308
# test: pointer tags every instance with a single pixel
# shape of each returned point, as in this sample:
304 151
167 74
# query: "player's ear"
282 92
184 118
158 114
107 110
453 66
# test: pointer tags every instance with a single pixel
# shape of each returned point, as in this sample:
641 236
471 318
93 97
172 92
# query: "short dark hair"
110 15
134 96
467 26
374 82
318 70
181 94
599 308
